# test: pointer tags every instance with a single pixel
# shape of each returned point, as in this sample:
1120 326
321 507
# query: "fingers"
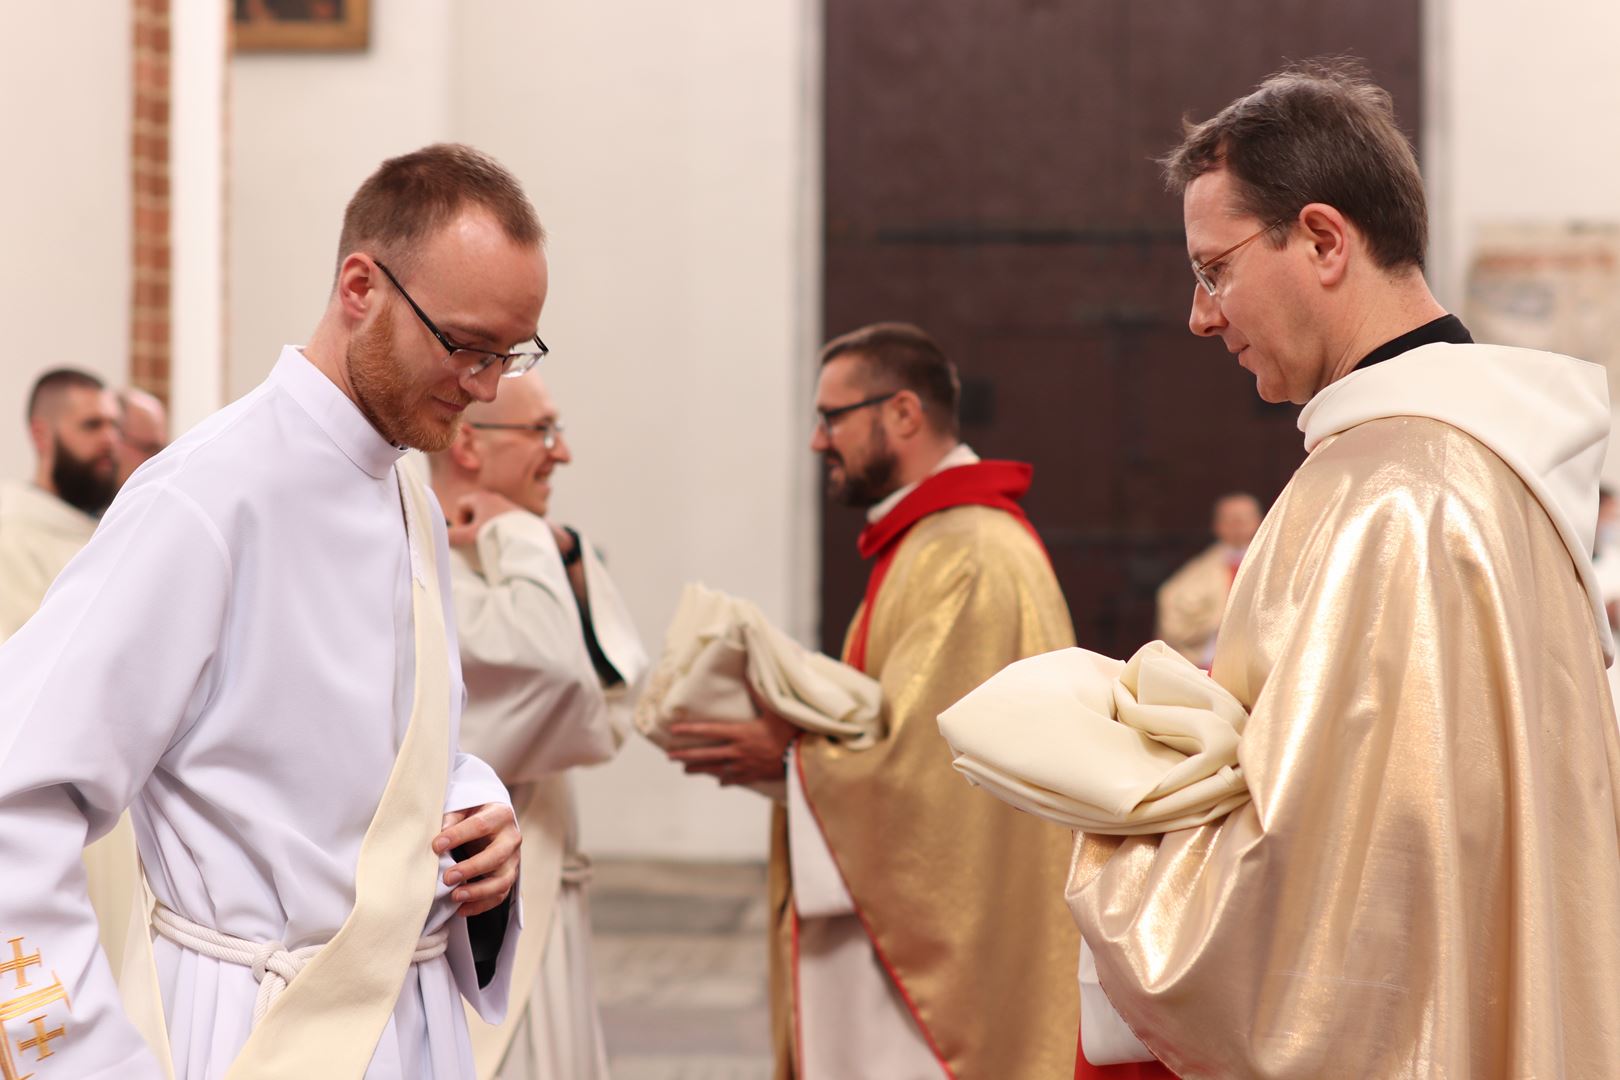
693 755
476 824
706 730
485 893
489 860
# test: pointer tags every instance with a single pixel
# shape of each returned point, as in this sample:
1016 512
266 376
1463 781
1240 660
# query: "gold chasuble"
1427 881
961 896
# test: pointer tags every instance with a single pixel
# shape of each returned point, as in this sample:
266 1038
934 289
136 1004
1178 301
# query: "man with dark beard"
73 424
917 930
253 655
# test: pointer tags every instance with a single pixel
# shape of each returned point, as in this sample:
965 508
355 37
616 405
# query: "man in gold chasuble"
919 928
1427 879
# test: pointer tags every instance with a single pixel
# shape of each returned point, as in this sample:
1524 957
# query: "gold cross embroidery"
41 1042
35 1002
19 964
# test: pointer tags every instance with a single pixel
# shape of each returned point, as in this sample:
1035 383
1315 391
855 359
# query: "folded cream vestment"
233 657
718 647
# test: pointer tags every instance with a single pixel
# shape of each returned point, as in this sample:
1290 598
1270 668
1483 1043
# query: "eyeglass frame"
1201 269
550 432
826 417
509 367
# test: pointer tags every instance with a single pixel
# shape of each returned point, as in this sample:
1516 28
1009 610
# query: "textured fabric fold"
1093 743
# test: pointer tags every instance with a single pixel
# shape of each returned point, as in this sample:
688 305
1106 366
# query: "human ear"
1329 234
357 282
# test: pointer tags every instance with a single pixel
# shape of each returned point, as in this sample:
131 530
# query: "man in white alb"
254 655
73 424
551 658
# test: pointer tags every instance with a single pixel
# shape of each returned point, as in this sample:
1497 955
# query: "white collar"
334 413
960 454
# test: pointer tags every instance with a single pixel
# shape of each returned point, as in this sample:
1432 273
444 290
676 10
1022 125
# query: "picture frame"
300 25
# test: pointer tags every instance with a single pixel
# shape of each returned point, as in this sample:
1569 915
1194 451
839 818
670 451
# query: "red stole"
997 484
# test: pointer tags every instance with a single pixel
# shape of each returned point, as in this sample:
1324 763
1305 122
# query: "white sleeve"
819 891
535 702
115 666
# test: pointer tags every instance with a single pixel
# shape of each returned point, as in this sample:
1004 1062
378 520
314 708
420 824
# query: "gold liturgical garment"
962 895
1427 881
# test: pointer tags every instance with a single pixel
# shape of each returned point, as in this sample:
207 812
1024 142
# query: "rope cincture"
272 963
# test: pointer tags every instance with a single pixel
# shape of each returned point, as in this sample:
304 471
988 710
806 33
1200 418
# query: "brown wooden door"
990 177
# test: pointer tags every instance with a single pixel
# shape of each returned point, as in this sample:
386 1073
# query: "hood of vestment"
1545 415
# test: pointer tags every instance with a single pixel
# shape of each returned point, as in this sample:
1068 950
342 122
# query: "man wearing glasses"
254 655
1425 881
551 659
919 927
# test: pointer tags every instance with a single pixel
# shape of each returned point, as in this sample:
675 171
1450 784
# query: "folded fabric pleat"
719 646
1104 746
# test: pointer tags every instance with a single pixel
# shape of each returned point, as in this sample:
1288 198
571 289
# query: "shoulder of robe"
968 546
1411 462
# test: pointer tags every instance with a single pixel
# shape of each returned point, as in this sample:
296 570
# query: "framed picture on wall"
300 25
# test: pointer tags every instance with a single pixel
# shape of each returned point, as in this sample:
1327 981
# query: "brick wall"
149 161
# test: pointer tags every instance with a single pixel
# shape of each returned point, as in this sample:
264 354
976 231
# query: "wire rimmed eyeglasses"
472 362
1201 270
550 433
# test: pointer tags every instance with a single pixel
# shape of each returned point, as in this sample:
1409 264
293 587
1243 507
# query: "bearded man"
255 655
894 886
73 425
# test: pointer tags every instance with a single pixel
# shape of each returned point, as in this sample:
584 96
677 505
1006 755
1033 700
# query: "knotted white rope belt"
576 868
273 964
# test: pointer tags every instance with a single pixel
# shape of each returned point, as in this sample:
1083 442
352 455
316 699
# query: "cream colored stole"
328 1020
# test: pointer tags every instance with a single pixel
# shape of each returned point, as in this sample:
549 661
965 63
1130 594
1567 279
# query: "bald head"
1236 520
501 447
144 430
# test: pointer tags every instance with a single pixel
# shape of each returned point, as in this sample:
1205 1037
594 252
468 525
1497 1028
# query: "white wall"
64 201
306 129
1521 122
1520 127
671 152
666 147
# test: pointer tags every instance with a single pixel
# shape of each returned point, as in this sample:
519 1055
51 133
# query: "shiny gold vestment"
961 894
1427 882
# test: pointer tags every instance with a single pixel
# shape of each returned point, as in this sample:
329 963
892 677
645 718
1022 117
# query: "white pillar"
198 45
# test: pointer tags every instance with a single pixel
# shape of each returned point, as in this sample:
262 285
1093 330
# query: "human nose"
483 385
820 441
560 452
1206 319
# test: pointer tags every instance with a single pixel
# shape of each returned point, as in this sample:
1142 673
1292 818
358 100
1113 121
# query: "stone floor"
680 959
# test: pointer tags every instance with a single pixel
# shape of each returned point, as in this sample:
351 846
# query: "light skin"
752 751
1299 317
85 421
487 472
1237 519
144 430
484 291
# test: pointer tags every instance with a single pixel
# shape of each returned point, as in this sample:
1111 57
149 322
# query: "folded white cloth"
719 646
1102 746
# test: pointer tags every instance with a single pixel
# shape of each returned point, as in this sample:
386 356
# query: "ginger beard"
404 414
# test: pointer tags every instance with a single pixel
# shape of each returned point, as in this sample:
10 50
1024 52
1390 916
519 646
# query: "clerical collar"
334 413
1447 329
960 454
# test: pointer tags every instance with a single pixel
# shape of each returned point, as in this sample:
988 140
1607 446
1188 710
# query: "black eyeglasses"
550 433
473 362
827 416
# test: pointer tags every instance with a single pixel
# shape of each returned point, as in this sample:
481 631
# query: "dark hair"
49 388
1320 131
903 357
411 197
